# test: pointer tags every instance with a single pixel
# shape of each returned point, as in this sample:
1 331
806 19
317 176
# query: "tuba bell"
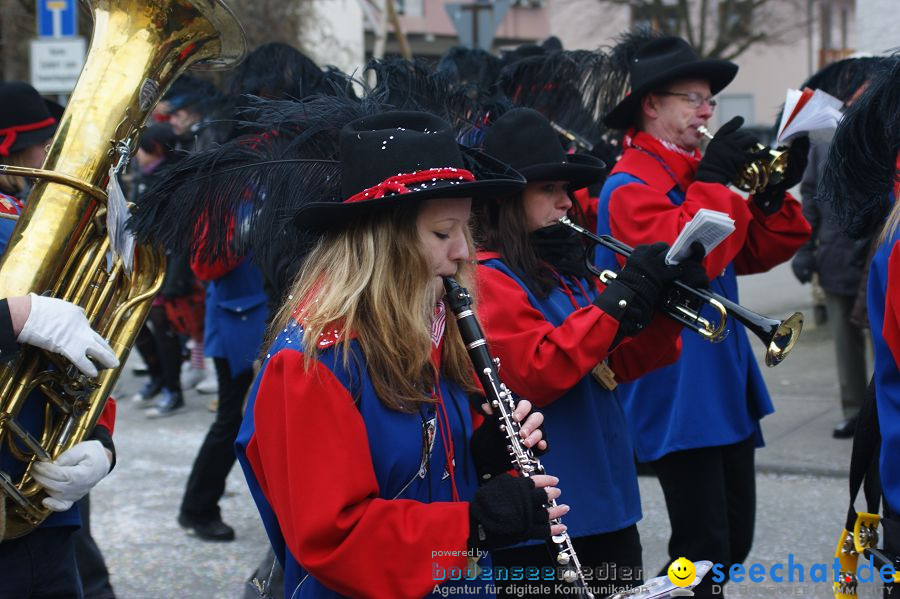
60 246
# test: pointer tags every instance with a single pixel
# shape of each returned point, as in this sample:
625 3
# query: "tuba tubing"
60 245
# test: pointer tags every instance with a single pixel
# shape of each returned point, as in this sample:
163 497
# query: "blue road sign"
57 18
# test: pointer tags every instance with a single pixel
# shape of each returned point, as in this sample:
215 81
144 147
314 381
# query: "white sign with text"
56 64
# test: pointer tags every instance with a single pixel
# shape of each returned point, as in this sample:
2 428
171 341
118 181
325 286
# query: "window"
411 8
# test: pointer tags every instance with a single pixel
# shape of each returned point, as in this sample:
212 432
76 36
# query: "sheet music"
709 227
808 111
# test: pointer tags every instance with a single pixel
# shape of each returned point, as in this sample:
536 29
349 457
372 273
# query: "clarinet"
501 400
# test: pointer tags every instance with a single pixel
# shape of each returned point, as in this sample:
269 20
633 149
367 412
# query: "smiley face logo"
682 572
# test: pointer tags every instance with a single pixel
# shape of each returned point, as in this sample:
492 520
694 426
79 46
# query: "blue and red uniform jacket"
547 349
358 500
236 311
714 394
883 303
31 416
8 205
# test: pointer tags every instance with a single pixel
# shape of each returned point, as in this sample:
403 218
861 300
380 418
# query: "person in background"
838 260
158 342
27 124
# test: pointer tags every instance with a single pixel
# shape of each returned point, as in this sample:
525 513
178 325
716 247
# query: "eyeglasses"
693 98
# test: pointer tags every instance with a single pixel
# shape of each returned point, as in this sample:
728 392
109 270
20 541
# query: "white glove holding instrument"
61 327
72 475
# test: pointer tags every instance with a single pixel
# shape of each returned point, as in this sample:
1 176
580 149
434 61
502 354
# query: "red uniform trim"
645 214
108 416
216 269
530 347
890 329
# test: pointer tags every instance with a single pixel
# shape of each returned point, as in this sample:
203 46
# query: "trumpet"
779 336
761 172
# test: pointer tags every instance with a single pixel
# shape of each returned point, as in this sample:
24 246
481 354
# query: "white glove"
72 475
61 327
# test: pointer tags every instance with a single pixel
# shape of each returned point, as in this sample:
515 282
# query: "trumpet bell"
783 339
759 174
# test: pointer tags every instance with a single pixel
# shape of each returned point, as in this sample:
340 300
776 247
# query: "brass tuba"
757 174
60 245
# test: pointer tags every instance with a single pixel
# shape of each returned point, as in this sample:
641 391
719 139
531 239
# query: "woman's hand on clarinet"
512 509
531 423
488 442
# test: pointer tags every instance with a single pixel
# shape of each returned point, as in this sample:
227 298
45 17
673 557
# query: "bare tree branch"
723 29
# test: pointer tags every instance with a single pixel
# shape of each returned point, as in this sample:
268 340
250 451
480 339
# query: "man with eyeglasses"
696 423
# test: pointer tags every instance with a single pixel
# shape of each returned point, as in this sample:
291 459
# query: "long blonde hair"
370 278
890 224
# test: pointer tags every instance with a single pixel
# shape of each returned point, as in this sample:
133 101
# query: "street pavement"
802 484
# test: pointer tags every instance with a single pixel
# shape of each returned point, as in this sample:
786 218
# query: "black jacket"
839 260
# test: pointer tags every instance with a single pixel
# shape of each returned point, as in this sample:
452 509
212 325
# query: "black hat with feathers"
301 163
405 157
861 170
524 139
659 62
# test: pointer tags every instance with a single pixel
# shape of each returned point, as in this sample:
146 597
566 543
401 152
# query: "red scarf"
682 163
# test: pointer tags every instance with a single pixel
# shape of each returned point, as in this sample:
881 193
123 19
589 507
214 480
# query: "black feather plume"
862 161
410 85
571 88
257 181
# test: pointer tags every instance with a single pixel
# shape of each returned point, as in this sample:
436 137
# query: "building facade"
815 32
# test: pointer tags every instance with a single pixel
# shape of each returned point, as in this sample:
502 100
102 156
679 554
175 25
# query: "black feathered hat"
26 119
524 139
405 157
661 61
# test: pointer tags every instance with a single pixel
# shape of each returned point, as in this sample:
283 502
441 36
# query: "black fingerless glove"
507 510
630 298
727 153
489 448
771 199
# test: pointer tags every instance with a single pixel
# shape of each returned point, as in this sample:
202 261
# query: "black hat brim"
719 73
495 180
580 170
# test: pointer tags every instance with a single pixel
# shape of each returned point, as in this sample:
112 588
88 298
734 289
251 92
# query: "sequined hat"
405 157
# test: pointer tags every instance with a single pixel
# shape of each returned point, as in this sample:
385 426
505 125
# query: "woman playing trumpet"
562 339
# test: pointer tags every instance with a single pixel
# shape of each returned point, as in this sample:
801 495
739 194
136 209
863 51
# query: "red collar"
644 157
483 255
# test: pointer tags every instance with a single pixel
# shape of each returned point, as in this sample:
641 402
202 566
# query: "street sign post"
477 22
57 55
